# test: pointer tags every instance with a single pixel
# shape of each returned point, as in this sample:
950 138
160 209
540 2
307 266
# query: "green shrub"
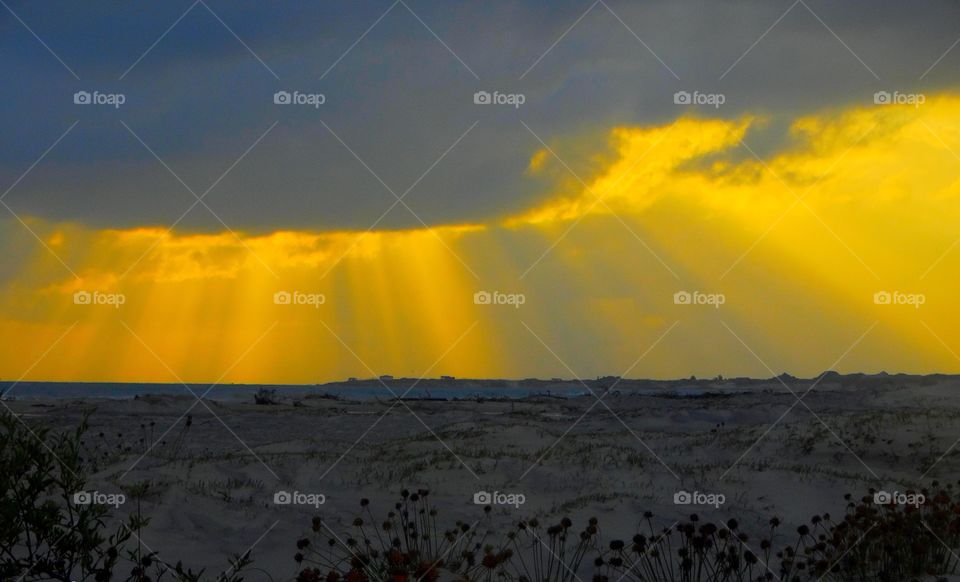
45 534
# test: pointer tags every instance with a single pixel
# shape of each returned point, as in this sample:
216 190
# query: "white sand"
214 497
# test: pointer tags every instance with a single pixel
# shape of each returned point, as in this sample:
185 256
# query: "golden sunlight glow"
797 232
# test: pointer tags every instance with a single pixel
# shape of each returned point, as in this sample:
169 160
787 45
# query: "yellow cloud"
538 161
851 203
643 159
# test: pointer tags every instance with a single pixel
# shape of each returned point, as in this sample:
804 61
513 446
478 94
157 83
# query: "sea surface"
241 392
289 393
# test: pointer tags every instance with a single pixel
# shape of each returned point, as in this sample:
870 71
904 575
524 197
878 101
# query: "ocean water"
245 392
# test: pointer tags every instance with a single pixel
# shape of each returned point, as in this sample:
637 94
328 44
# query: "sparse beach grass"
208 484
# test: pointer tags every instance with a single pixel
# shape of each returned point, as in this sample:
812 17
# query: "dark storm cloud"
399 99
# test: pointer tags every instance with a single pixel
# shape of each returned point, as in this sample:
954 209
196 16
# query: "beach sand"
212 484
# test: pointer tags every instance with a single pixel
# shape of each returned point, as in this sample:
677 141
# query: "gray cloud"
400 99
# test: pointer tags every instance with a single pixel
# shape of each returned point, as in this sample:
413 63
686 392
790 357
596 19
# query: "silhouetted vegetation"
871 542
52 528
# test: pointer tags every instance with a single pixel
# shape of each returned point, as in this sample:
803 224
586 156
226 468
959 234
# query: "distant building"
386 378
447 378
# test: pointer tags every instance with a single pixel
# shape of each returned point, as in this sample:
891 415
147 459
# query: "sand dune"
213 483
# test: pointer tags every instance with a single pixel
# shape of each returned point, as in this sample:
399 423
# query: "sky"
658 189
